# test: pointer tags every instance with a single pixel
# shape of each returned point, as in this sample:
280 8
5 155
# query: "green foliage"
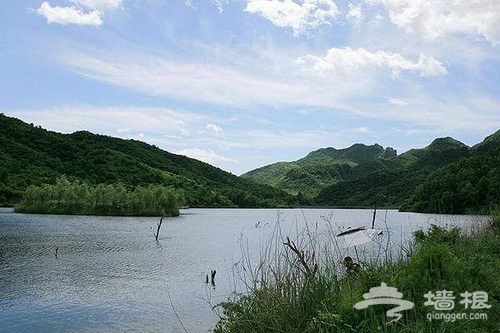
445 177
496 220
33 156
355 154
388 182
66 197
365 175
288 301
286 307
438 235
318 170
469 185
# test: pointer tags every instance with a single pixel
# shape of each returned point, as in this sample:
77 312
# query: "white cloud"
249 84
362 129
98 4
69 15
214 128
220 4
398 102
242 82
241 86
355 13
376 20
175 137
191 4
299 15
352 61
434 19
447 114
182 131
126 121
205 155
263 139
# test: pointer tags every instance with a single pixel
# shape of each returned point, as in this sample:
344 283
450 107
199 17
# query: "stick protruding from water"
158 229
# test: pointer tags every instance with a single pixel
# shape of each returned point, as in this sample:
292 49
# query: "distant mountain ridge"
319 169
447 176
417 180
357 153
447 143
469 185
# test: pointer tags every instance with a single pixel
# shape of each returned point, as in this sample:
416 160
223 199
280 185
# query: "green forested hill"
445 177
472 184
392 181
318 169
31 155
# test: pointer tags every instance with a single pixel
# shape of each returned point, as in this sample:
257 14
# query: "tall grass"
282 295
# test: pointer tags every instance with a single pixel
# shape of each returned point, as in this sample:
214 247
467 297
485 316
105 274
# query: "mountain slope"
31 156
392 181
319 169
353 155
470 185
447 176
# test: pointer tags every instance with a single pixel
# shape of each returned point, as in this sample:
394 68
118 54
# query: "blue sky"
244 83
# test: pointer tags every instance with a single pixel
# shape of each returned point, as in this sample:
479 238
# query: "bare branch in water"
158 230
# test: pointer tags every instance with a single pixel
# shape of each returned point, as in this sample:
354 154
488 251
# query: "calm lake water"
110 275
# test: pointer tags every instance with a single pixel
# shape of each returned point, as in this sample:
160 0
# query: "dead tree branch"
301 257
158 230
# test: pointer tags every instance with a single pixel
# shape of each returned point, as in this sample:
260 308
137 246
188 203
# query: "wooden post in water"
213 277
374 214
158 230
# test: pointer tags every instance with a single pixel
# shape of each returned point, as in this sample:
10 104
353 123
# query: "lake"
110 275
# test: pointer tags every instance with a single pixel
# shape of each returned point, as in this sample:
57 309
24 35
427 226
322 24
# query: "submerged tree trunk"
158 229
374 215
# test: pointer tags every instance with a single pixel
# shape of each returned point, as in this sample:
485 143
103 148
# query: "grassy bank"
285 296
